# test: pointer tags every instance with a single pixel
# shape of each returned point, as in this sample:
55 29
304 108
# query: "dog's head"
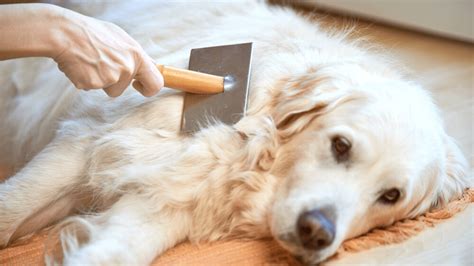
358 151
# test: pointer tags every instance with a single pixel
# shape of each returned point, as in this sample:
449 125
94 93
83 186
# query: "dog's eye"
340 148
390 196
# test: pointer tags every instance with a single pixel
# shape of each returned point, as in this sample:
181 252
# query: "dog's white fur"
142 187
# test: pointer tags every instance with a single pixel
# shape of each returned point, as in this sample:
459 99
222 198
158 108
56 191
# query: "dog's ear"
302 99
454 176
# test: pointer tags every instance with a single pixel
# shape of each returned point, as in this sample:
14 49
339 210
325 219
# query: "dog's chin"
305 256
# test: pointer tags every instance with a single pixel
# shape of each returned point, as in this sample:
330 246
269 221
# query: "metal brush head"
233 63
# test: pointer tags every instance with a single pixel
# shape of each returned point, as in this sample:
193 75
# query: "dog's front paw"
3 241
5 234
6 222
110 253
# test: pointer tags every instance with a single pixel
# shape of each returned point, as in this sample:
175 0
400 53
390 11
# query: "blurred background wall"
448 18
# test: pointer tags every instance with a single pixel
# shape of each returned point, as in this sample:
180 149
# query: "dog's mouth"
305 256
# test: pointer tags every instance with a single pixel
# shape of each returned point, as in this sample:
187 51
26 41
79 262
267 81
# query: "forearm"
28 30
92 53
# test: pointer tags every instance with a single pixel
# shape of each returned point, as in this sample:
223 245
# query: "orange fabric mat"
220 253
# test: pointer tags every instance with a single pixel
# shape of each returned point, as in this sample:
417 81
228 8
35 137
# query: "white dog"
335 143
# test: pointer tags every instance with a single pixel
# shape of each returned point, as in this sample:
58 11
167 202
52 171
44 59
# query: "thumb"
148 80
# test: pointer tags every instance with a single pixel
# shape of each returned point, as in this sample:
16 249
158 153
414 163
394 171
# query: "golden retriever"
335 143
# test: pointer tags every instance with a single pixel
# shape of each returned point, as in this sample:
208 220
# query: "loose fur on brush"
125 185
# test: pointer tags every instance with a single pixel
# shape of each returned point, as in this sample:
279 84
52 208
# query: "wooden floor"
446 68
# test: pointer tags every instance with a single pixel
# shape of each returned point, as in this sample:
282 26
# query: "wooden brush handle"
191 81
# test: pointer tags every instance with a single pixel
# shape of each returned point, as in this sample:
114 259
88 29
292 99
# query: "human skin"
93 54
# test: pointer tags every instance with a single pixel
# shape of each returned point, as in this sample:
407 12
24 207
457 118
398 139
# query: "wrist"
56 30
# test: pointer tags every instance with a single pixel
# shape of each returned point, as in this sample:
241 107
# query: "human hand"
96 54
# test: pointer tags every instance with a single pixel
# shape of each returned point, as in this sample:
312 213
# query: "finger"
118 88
138 86
149 78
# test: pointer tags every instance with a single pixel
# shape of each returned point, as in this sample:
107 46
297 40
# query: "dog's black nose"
315 230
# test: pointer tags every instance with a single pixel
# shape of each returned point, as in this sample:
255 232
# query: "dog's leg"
48 179
130 233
